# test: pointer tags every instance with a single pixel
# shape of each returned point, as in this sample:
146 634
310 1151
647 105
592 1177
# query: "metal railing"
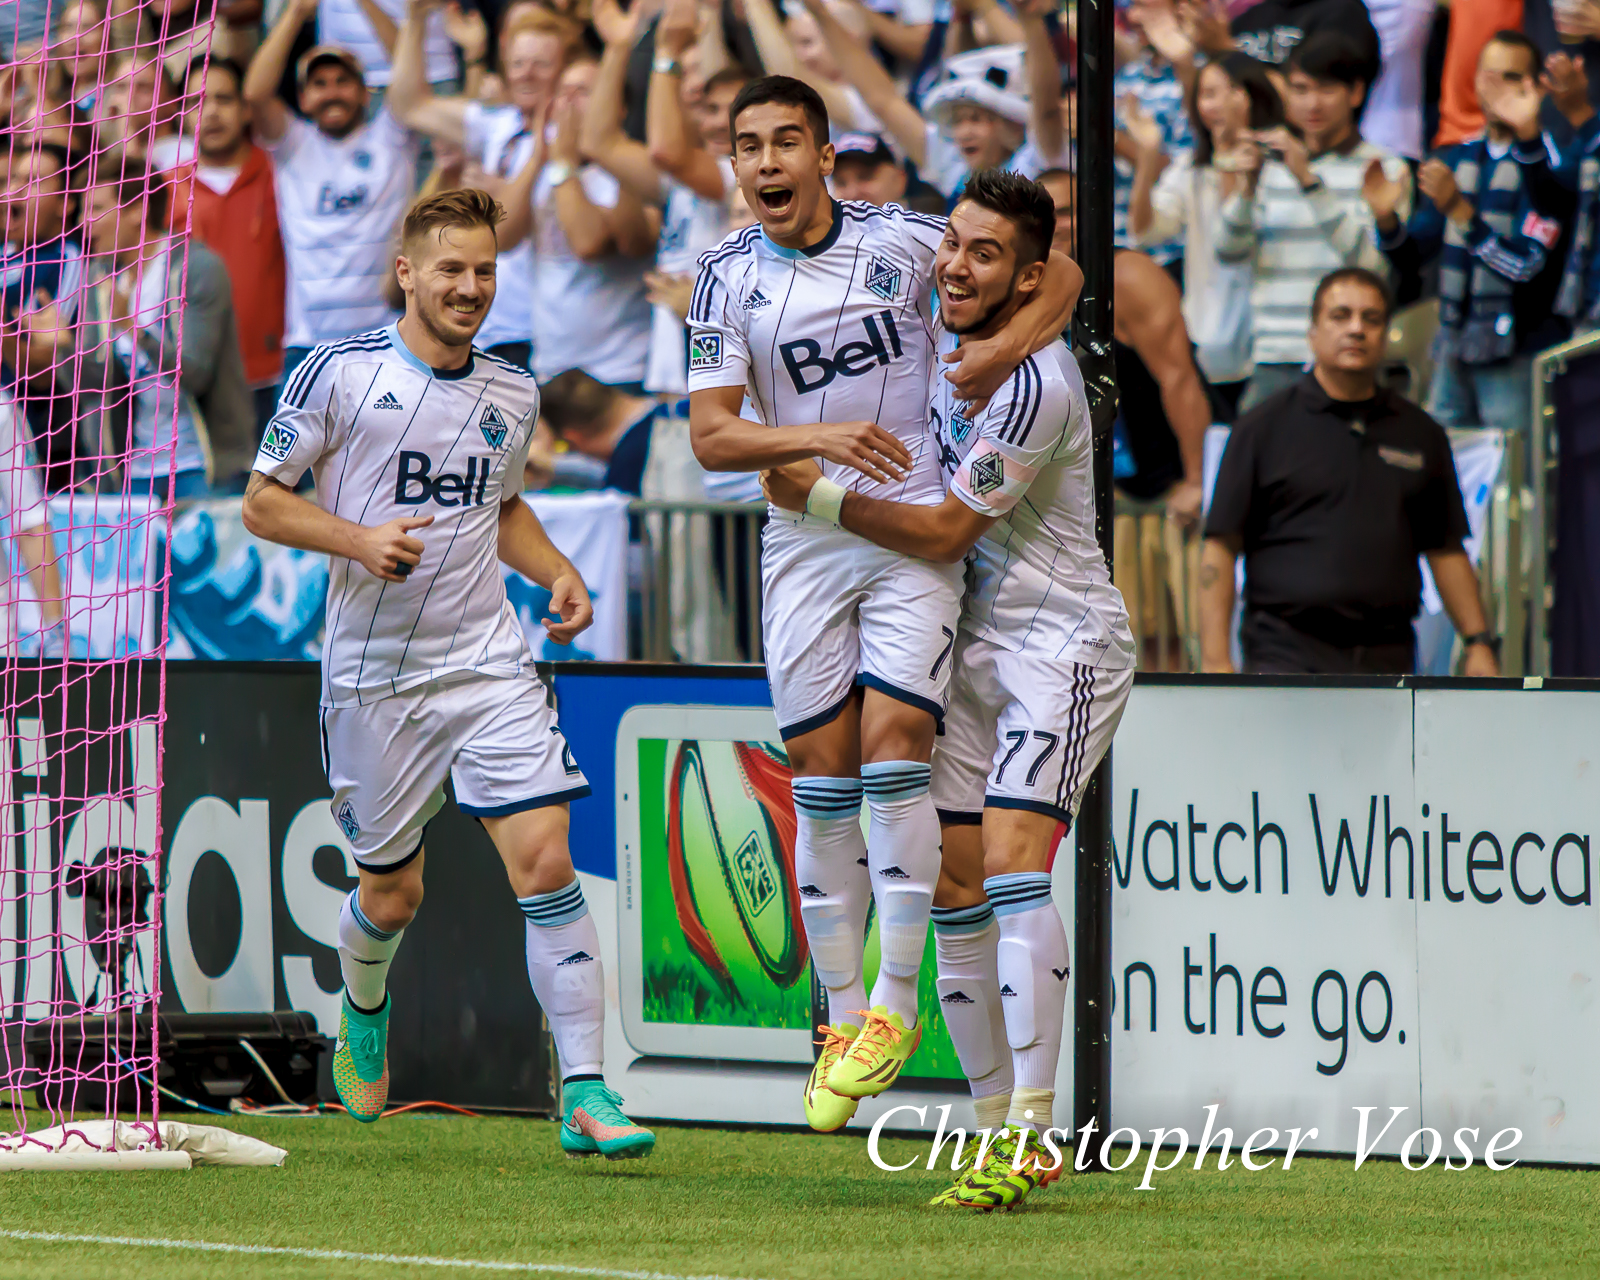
695 581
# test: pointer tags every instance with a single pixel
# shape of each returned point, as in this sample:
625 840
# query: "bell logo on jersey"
849 361
493 427
988 473
330 201
446 489
705 351
883 279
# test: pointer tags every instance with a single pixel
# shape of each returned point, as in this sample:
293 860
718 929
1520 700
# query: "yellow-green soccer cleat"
361 1060
826 1110
873 1061
595 1126
1005 1181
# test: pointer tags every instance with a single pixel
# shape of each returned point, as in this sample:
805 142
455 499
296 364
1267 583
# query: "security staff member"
1331 490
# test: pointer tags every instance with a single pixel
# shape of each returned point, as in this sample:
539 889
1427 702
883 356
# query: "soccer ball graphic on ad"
730 855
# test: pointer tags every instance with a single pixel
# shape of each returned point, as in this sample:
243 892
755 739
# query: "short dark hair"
1023 203
574 401
135 184
1244 72
1517 40
1353 275
785 91
1331 55
221 64
733 74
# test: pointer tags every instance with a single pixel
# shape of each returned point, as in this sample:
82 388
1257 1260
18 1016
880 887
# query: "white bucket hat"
993 77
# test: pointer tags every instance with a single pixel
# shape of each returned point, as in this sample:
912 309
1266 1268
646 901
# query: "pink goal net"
96 428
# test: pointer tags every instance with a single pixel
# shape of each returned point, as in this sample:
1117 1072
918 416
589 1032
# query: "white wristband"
825 500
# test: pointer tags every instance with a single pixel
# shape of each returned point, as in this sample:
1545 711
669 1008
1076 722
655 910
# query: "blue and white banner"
237 597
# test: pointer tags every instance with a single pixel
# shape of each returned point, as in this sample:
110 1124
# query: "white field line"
345 1255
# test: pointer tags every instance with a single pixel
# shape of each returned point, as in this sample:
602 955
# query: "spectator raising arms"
343 183
1232 99
1149 95
1495 218
1300 213
499 141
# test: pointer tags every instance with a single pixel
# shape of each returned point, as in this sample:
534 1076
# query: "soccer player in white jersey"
417 441
822 313
1042 671
343 183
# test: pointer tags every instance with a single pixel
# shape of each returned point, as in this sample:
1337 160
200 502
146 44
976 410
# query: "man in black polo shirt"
1332 489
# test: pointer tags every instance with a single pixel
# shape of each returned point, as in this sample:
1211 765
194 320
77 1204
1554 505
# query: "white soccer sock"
364 955
564 967
903 852
1032 960
965 941
830 863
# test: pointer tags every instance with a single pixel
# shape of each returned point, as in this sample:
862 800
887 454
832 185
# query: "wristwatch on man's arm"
1486 638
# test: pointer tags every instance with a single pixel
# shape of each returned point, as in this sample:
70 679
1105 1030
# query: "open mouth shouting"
776 199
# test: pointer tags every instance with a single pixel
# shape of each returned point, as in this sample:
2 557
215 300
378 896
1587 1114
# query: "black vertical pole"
1091 1040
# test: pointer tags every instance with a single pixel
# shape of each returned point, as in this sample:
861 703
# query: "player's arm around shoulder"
980 367
526 547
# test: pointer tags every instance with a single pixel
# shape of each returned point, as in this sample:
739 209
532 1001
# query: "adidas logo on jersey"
493 427
956 997
446 488
577 957
894 873
810 370
1007 991
756 301
811 891
387 401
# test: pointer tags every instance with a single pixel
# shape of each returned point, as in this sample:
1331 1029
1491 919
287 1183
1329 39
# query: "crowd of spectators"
199 192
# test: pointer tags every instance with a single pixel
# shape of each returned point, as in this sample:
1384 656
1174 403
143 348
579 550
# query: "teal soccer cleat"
595 1126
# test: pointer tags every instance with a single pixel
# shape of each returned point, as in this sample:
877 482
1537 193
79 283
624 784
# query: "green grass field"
773 1206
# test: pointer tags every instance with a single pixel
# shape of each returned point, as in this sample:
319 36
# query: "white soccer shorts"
1022 732
838 611
496 737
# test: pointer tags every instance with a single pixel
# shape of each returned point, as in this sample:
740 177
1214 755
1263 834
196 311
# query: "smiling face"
977 270
448 278
781 169
333 99
984 139
533 62
1223 107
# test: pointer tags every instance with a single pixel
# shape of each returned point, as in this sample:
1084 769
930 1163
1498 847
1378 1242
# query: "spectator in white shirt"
343 184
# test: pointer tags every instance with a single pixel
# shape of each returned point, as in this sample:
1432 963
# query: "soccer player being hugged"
417 441
822 315
1042 669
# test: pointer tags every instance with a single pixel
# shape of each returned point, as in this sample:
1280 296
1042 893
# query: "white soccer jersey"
340 201
839 332
386 436
690 224
499 139
1038 581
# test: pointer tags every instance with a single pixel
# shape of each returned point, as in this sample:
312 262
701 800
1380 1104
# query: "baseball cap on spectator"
868 148
992 78
327 53
866 168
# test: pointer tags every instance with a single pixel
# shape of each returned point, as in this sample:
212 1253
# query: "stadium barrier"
1300 920
1564 460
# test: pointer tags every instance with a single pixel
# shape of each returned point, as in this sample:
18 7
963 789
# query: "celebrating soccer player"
425 670
822 314
1042 670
